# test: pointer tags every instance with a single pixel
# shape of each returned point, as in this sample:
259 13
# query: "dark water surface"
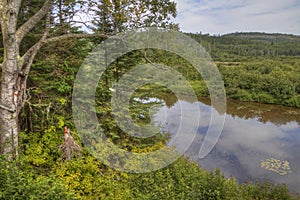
258 142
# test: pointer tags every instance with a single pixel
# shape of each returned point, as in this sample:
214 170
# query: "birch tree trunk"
15 70
9 94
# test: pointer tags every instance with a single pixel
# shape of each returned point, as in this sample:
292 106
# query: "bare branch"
147 59
27 26
153 64
85 24
69 148
7 108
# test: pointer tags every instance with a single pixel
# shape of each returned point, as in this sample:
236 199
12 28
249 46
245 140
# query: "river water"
258 142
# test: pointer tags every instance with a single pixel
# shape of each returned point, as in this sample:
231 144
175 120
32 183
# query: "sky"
229 16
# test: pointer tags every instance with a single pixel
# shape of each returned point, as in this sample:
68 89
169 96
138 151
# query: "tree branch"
153 64
27 26
33 50
29 56
7 108
26 63
74 35
74 22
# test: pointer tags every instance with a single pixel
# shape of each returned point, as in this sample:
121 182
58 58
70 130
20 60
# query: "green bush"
242 95
18 183
186 180
265 191
91 180
293 101
263 97
41 149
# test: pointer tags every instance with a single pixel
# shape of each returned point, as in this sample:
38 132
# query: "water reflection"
253 134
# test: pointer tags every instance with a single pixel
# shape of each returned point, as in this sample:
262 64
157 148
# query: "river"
258 141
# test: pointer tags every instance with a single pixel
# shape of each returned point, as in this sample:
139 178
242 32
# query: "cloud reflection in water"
252 133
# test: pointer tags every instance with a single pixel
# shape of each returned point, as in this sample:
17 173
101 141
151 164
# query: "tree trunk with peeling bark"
15 70
9 89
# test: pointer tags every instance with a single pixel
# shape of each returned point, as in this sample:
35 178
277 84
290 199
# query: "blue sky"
227 16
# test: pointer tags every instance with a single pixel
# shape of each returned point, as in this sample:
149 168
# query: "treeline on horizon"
242 46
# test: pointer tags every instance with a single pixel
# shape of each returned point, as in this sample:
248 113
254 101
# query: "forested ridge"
255 67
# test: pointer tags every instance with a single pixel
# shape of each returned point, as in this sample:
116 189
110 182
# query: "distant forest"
244 46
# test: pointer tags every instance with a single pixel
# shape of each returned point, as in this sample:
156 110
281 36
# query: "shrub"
91 180
18 183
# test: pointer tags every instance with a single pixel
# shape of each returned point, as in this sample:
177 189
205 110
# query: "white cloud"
220 16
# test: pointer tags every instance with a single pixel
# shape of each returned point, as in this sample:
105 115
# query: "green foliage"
253 69
181 180
265 191
41 149
293 101
265 81
242 95
249 46
91 180
186 180
264 97
18 183
88 178
256 66
121 15
64 87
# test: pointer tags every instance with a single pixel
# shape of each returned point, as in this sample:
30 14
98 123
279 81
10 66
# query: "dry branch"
69 148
